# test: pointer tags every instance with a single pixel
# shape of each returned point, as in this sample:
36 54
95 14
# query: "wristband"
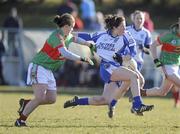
157 62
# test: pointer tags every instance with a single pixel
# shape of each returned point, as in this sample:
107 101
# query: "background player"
169 61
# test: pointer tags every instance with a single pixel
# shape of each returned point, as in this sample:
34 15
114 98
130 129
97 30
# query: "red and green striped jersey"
170 42
49 57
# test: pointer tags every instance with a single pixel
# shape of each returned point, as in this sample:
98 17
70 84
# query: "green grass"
53 119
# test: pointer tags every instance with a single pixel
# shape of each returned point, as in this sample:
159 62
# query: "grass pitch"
53 119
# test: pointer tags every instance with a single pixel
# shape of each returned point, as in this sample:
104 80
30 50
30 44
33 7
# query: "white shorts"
172 69
40 75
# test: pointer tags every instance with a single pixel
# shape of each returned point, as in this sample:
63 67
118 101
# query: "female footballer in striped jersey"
50 58
169 61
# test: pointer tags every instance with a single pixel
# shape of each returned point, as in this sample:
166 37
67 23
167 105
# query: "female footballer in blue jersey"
143 41
141 35
113 47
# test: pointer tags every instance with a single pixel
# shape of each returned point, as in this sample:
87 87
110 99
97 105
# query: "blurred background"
26 24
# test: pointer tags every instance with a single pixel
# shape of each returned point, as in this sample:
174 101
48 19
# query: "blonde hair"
136 12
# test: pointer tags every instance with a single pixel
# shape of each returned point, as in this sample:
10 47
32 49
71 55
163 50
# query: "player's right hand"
88 60
117 57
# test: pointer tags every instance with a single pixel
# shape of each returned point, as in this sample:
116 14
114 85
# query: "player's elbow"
52 100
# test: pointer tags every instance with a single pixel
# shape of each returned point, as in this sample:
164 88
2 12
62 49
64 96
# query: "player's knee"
51 100
125 90
163 93
102 100
142 81
134 75
39 100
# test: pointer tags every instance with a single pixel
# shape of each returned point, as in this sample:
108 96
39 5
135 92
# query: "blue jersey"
143 39
107 46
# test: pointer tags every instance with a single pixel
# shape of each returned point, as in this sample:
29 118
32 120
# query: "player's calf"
22 104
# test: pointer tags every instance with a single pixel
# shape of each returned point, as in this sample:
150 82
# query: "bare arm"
69 55
153 49
81 41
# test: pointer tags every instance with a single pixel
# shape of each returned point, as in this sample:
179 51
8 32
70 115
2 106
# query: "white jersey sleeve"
130 43
142 38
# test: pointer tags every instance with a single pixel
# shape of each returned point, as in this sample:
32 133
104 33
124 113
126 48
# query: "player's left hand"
92 48
146 51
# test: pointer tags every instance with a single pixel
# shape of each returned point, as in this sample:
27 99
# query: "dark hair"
64 19
113 21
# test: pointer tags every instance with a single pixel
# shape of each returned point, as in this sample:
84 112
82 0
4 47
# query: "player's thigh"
122 74
124 86
39 90
175 88
51 94
175 79
141 78
173 73
166 85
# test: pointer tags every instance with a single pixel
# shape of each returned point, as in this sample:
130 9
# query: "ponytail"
64 19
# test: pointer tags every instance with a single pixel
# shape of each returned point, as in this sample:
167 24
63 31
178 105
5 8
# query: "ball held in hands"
131 64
